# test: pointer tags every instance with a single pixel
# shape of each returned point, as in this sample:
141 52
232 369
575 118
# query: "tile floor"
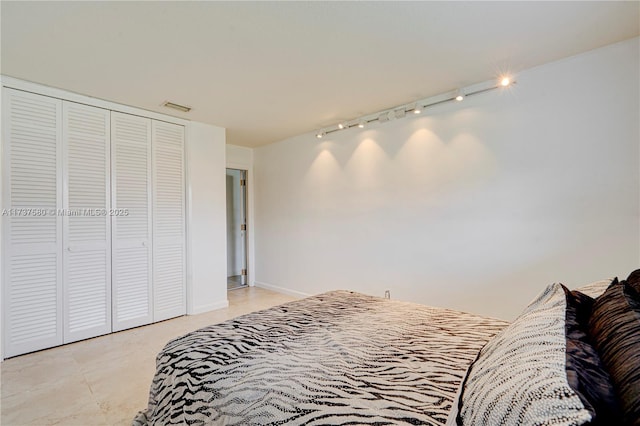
234 282
105 380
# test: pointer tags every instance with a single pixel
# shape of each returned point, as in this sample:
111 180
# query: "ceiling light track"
418 106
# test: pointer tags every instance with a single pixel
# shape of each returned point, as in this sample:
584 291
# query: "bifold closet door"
86 222
131 230
169 298
32 191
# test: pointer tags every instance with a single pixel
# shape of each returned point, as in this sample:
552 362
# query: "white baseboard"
282 290
201 309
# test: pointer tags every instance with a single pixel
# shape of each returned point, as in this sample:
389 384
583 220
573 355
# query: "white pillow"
520 376
595 289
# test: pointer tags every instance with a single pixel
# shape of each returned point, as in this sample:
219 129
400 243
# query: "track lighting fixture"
418 106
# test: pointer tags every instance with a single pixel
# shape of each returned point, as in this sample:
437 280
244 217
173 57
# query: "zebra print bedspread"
337 358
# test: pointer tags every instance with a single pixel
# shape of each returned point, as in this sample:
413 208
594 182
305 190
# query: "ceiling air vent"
176 106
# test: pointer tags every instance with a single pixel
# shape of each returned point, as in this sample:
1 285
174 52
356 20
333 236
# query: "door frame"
250 222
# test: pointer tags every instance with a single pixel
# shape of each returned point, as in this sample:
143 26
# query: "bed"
346 358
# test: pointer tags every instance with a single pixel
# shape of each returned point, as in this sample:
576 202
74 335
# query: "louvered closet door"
32 230
86 224
131 233
168 221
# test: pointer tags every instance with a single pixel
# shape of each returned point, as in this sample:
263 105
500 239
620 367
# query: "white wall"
476 205
239 156
207 225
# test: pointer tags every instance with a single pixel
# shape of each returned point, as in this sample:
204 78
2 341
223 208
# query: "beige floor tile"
23 375
104 380
50 403
122 391
90 419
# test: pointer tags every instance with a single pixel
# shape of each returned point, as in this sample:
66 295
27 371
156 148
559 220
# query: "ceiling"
270 70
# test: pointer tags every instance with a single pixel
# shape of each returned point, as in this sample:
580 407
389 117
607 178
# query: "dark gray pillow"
614 326
633 280
585 373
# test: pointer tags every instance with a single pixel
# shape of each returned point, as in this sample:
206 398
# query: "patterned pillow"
519 377
615 329
585 373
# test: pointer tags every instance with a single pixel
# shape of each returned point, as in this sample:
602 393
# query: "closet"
93 221
86 237
131 234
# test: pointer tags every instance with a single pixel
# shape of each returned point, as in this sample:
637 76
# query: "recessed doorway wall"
236 228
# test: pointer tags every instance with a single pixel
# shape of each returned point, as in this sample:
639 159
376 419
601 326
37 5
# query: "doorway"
236 229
